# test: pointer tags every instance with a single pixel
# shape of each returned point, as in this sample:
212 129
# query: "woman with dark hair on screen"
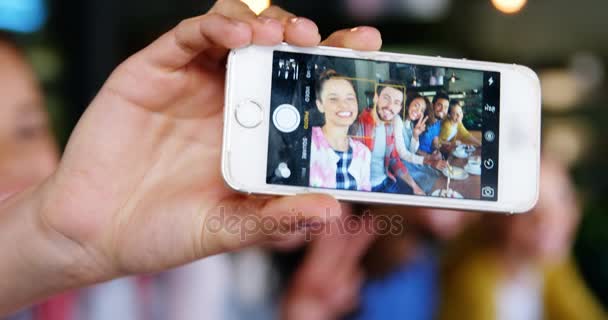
336 160
410 128
407 142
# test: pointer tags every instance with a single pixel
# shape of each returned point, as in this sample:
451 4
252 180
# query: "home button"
249 114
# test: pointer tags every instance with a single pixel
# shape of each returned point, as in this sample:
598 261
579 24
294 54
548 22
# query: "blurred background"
74 45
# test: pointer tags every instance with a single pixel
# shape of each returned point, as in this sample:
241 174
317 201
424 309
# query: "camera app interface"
360 125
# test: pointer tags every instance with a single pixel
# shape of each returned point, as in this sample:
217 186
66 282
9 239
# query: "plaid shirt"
344 180
364 132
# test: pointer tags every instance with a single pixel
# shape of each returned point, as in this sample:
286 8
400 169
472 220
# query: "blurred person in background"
28 151
403 271
326 284
397 277
28 155
519 267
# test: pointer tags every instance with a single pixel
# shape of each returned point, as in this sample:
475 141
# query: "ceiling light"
509 6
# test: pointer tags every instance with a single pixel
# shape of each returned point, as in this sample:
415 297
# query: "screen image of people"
360 125
337 160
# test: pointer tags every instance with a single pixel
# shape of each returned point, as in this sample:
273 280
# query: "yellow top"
470 285
450 131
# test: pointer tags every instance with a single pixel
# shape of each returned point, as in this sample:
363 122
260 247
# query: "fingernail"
294 20
238 23
354 29
266 20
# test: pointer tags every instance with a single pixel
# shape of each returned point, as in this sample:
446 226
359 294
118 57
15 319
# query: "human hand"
418 191
140 177
447 147
440 164
436 144
436 155
476 142
327 284
420 127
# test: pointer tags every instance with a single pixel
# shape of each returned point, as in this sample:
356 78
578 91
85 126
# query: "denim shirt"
427 137
409 292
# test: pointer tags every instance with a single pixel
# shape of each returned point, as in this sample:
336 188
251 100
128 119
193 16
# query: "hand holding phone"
140 181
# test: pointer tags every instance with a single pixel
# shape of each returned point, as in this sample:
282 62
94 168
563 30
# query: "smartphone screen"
376 126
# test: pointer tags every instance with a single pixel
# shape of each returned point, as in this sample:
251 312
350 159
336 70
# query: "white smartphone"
382 128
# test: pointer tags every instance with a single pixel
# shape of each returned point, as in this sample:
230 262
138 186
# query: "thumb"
243 221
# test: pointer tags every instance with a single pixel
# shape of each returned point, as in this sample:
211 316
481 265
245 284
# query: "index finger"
359 38
191 37
230 24
424 120
298 31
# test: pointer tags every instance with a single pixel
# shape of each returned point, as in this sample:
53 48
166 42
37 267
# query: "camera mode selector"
282 171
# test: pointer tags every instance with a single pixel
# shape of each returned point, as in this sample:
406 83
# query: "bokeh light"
22 15
566 140
365 9
588 68
426 10
257 6
560 89
509 6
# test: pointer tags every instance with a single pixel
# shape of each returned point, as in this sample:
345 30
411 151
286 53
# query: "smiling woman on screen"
336 160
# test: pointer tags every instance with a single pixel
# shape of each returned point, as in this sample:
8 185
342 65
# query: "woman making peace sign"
410 129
